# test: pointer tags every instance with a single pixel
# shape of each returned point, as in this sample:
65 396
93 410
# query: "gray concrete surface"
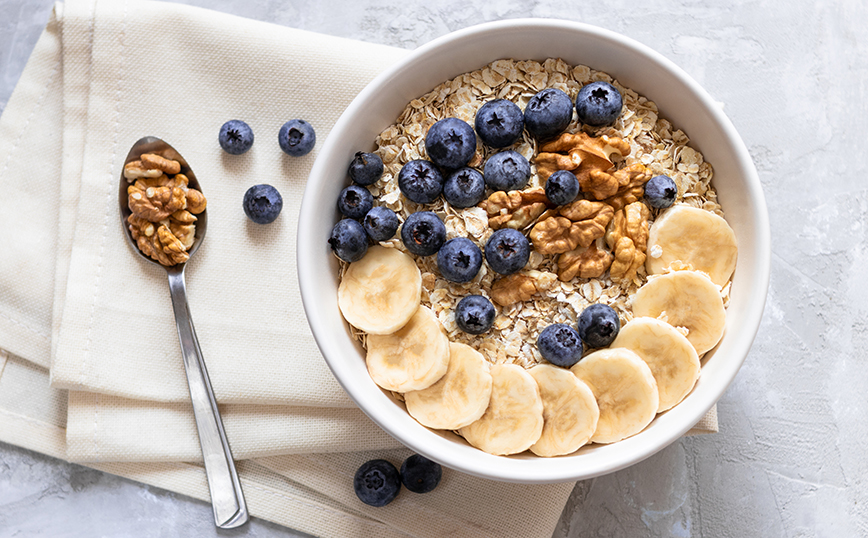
790 459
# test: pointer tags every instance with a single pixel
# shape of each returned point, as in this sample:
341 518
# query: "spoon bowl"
152 144
227 499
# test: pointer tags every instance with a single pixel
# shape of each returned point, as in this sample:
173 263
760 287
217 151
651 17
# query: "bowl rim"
528 470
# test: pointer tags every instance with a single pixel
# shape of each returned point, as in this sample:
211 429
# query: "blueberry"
506 171
381 223
235 137
355 202
459 260
464 187
499 123
366 168
450 143
348 240
660 192
423 233
548 113
560 345
377 482
598 325
507 251
598 103
420 181
262 203
474 314
562 187
419 474
296 138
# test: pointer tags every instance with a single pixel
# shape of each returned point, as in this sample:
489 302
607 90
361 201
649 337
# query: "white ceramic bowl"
679 98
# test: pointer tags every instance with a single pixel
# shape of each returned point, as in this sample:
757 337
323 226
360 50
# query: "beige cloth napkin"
73 295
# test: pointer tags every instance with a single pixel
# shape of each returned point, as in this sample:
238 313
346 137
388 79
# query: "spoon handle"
227 499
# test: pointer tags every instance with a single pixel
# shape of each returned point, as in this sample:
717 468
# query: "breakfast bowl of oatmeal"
534 251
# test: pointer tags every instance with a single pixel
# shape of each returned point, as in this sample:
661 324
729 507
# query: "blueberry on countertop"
660 192
450 143
296 138
464 187
560 345
348 240
598 325
548 113
598 103
419 474
355 202
506 171
474 314
499 123
366 168
459 260
381 223
507 251
420 181
562 187
262 203
377 482
423 233
235 137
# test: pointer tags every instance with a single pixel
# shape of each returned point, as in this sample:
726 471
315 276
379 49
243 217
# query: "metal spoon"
227 499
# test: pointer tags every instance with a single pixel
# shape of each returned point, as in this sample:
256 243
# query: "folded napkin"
75 297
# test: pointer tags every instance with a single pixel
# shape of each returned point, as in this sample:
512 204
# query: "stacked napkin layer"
77 302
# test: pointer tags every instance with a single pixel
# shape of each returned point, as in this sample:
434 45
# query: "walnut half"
627 236
588 158
579 224
514 209
519 287
584 262
154 199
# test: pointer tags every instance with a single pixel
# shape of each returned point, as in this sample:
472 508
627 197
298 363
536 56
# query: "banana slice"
672 359
459 397
693 236
686 299
625 390
513 420
379 293
413 358
570 411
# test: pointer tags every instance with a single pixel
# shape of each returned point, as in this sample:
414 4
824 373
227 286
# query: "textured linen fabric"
75 297
108 428
30 160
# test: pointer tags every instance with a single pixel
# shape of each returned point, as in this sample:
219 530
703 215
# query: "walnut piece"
519 287
514 209
588 158
631 186
196 202
627 236
154 199
185 233
584 262
158 162
136 169
580 223
185 216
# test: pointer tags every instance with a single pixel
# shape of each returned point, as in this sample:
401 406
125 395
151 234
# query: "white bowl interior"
679 98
